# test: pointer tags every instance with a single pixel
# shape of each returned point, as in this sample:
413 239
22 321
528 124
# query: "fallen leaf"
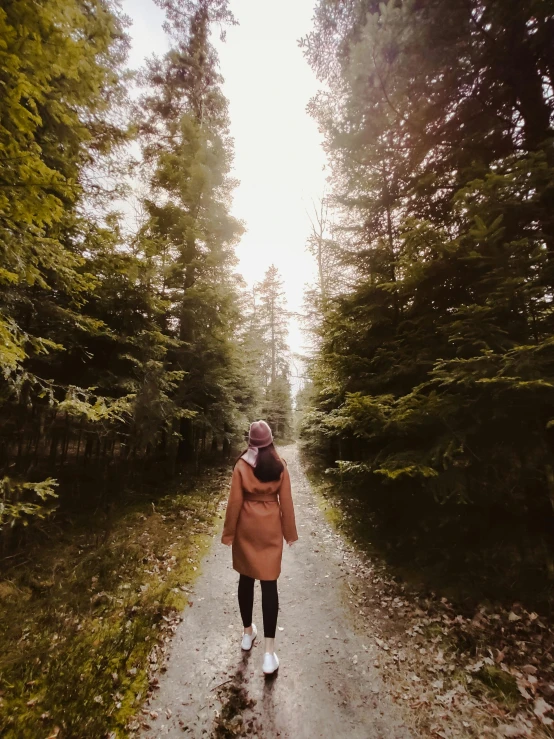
540 709
522 687
515 730
382 644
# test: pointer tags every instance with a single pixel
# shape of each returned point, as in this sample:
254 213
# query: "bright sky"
278 156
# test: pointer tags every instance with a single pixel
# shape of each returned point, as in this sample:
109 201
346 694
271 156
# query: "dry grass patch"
83 617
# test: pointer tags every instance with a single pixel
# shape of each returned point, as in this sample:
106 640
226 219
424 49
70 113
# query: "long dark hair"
269 465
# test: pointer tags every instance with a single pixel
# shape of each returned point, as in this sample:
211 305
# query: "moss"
500 685
79 620
434 630
332 513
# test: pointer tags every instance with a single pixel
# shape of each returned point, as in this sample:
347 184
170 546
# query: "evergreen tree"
118 350
59 99
252 349
188 150
63 81
434 374
272 318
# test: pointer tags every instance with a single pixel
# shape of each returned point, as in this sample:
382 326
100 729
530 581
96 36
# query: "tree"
63 81
434 373
188 152
119 350
58 103
272 321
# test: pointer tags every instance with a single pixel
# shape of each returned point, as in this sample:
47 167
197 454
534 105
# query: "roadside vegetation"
127 338
430 400
85 613
471 658
132 357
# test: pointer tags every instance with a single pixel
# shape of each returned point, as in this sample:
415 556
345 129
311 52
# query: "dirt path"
327 684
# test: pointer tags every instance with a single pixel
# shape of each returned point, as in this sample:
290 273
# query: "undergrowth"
82 615
468 572
480 638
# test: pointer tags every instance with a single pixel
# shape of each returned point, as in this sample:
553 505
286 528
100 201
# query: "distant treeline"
433 386
127 340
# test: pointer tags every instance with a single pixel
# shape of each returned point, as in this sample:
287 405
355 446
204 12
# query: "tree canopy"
434 380
120 346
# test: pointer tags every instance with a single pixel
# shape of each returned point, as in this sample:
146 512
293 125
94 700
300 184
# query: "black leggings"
270 603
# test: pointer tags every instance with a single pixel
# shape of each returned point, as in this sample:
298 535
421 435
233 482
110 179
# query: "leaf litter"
488 673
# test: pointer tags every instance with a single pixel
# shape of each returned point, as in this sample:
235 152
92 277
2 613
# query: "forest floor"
131 628
359 656
87 609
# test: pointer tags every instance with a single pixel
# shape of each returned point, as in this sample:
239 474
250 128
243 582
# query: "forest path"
327 684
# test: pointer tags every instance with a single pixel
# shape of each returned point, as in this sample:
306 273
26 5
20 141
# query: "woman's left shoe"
271 663
248 639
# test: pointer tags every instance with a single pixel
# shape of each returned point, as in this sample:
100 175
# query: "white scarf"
250 456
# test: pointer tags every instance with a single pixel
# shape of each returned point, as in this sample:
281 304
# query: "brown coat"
259 514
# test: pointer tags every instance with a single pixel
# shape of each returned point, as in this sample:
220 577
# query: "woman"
259 514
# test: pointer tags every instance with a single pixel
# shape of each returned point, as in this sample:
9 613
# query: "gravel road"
328 684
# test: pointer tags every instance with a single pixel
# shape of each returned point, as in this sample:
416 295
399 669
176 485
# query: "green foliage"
58 97
117 348
82 622
270 329
24 500
189 233
434 375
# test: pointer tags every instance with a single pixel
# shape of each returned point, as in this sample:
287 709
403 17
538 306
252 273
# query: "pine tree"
119 350
272 319
434 373
188 150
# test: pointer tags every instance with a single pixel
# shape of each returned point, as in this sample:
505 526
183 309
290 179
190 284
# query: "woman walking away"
260 513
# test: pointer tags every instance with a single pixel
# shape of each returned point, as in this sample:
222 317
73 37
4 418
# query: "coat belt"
260 496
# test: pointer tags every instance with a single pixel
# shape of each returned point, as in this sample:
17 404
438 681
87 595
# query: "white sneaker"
271 663
247 639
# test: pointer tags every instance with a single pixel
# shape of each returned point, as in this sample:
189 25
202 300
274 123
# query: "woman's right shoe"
248 639
271 663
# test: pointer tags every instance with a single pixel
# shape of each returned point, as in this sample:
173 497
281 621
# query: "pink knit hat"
259 436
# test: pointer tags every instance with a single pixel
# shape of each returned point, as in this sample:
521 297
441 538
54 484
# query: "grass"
84 614
499 685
